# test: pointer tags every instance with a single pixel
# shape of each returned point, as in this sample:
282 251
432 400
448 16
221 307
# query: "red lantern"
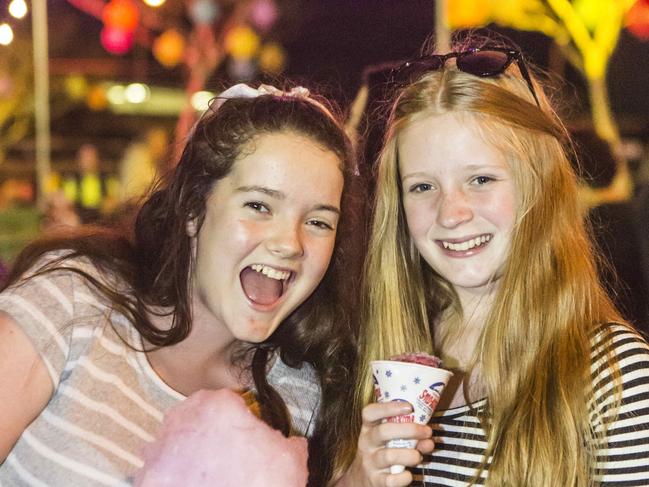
637 19
116 41
121 14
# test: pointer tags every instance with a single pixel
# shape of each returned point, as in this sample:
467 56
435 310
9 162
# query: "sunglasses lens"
483 63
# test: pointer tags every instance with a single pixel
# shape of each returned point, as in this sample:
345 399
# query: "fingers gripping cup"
406 378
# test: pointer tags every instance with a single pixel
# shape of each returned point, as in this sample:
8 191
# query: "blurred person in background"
92 191
143 160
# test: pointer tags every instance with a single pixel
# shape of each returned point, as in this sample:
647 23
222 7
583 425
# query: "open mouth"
263 284
472 243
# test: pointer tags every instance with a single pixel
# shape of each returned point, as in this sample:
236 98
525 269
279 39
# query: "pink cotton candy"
212 439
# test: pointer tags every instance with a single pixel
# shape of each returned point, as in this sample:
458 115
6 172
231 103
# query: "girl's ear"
192 227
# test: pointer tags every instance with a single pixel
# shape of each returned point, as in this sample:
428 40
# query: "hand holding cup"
407 378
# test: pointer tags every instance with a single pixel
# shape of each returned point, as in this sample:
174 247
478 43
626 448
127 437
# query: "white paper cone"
419 385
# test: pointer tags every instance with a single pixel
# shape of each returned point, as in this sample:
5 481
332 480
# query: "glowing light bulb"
136 93
6 34
18 8
154 3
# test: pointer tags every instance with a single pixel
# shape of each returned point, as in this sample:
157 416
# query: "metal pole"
442 32
41 98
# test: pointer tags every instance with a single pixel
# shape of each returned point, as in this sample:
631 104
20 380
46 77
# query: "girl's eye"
420 188
257 206
320 224
481 180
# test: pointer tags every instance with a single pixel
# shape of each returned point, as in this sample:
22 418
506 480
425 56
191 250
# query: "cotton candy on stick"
212 439
416 378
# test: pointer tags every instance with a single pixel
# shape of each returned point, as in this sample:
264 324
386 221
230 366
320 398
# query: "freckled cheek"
501 210
241 232
419 219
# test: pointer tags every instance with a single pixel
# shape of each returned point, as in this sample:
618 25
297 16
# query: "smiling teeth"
468 244
270 272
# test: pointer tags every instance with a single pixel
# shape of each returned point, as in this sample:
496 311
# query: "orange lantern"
96 98
637 20
121 14
168 49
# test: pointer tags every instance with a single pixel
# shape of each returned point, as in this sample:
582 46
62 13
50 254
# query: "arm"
371 467
625 457
25 386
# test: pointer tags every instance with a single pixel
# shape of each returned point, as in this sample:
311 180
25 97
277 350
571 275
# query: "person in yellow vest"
89 189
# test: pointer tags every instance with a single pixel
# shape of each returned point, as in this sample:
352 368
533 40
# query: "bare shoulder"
25 387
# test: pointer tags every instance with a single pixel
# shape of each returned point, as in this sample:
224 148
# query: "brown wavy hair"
152 258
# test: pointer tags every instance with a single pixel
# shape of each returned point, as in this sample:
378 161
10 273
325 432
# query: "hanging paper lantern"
96 98
263 14
272 58
121 14
242 42
168 48
203 11
637 20
116 41
468 13
241 69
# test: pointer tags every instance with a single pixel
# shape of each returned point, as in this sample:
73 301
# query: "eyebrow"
281 196
262 189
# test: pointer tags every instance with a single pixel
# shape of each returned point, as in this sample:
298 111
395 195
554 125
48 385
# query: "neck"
205 359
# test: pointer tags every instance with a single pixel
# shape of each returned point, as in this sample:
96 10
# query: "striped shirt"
108 402
460 441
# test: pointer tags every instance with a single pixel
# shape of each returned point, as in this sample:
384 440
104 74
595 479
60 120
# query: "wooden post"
41 98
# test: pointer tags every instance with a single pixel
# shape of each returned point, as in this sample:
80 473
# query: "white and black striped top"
460 441
108 402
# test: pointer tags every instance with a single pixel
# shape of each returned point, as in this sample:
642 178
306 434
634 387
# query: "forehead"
450 139
289 163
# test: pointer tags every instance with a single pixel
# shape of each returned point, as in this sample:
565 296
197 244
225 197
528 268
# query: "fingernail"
405 408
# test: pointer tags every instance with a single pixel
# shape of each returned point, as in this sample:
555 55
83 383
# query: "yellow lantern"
168 49
468 13
242 42
272 58
76 87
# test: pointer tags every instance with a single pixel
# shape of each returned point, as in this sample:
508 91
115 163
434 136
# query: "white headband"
242 90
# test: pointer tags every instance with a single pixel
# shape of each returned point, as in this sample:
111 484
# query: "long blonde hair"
534 353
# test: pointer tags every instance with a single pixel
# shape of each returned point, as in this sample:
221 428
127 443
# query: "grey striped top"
460 440
108 402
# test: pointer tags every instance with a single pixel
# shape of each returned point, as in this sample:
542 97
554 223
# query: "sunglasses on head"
485 62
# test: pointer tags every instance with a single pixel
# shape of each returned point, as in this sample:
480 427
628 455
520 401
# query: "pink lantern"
263 14
116 41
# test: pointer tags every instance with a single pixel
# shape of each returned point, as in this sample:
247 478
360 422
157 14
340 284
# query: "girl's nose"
454 209
286 242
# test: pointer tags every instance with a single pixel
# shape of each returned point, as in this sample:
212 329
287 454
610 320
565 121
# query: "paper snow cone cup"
419 385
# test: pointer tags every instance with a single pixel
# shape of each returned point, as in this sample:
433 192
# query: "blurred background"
96 96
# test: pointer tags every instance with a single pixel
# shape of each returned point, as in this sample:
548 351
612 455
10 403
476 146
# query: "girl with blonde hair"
479 254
